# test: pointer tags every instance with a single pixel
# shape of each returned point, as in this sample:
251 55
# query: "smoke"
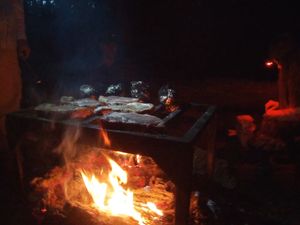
64 37
68 147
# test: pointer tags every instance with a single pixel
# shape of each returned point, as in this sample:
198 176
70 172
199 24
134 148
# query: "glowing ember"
138 158
171 107
111 197
113 187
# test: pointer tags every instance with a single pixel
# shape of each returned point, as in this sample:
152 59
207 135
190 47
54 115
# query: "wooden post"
282 89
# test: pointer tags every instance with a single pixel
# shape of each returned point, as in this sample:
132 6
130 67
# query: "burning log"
78 216
152 201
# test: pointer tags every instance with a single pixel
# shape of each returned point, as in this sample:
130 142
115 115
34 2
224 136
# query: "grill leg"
182 206
184 170
19 161
14 134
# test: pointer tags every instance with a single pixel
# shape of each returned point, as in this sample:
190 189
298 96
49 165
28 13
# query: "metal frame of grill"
174 154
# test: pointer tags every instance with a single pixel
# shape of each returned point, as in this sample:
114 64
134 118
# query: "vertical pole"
282 89
14 136
211 130
183 187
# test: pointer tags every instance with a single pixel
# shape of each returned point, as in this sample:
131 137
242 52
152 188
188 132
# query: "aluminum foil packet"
114 89
87 90
140 90
133 118
167 96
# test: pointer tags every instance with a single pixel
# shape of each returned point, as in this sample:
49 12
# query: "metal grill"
172 148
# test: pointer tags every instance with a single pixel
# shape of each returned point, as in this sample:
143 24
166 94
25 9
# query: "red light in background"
269 64
43 210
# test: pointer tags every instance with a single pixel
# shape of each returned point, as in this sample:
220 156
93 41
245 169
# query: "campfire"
112 186
81 171
108 192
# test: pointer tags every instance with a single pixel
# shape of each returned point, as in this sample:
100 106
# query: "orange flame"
112 197
104 136
153 207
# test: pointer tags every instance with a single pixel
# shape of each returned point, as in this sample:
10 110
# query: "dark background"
183 40
180 39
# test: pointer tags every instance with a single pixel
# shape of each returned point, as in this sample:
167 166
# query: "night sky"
196 38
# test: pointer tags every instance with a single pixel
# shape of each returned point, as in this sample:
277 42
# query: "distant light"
269 64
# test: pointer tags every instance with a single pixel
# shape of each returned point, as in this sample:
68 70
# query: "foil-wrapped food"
72 111
139 90
116 100
49 107
66 99
114 89
167 96
136 107
85 102
87 90
133 118
82 113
